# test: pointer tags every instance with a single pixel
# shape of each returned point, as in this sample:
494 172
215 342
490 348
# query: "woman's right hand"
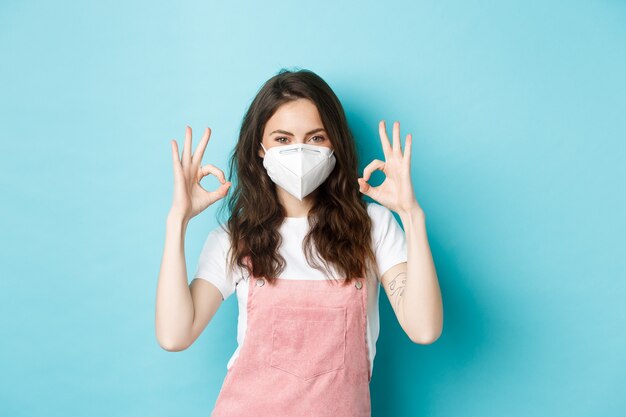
189 197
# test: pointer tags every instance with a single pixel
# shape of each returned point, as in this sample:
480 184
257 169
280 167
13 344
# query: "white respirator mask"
299 168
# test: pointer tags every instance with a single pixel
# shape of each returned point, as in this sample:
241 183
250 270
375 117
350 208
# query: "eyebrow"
284 132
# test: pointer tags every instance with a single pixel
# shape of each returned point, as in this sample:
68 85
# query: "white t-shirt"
388 242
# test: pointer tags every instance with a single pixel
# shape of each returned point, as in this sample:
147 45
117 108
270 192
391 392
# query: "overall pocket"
308 341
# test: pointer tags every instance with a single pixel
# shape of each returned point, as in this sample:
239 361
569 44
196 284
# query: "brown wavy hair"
339 225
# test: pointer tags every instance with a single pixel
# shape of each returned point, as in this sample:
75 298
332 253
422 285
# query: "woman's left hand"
396 192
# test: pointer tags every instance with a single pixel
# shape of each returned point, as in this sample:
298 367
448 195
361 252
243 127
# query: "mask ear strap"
263 146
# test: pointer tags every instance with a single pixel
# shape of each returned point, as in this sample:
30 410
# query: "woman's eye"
282 139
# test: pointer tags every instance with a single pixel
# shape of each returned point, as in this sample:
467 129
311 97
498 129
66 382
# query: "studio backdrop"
518 115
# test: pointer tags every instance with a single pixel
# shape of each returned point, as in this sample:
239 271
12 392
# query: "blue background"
517 110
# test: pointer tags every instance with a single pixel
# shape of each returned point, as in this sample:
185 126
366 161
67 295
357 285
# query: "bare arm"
413 287
183 310
422 305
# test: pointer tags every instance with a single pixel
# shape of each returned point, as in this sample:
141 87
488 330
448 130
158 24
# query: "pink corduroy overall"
304 354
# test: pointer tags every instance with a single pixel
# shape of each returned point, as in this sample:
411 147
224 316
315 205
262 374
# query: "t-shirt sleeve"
388 238
212 262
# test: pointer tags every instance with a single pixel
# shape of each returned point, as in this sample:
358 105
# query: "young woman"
304 253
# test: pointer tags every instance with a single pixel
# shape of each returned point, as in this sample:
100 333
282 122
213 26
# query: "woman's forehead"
297 117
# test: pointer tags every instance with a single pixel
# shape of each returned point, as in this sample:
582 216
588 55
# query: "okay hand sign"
189 197
396 192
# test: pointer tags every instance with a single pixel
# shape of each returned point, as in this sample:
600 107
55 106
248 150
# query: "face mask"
299 168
